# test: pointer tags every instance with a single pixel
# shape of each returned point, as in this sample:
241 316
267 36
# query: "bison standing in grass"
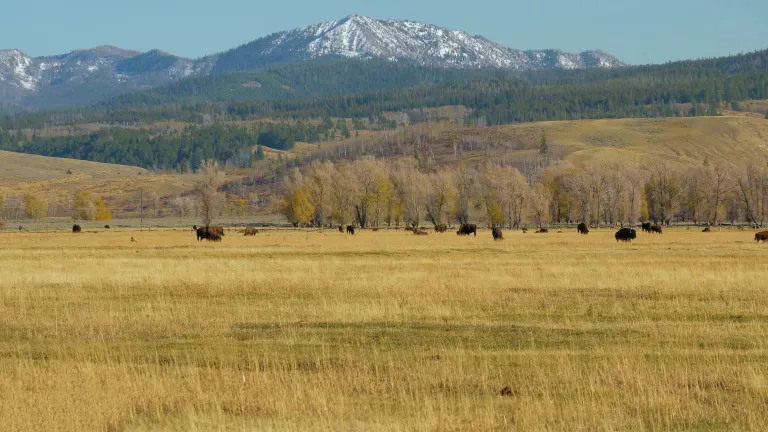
582 228
762 236
420 232
467 229
646 226
542 231
656 229
76 228
251 231
497 234
626 235
213 233
441 228
350 229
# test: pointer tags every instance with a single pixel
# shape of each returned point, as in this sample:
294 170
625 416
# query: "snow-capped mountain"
362 37
87 76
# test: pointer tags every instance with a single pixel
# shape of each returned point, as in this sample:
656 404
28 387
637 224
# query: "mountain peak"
358 36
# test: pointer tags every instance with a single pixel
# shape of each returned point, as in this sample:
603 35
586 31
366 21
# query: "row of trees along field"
84 206
372 192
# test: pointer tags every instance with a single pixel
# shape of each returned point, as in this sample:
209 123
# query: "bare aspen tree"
341 193
662 190
318 177
415 197
752 185
614 191
539 199
380 196
578 186
465 181
207 187
718 188
634 195
505 191
440 196
368 185
396 203
695 185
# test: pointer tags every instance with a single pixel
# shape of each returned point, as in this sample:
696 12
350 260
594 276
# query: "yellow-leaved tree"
297 208
35 206
90 207
102 212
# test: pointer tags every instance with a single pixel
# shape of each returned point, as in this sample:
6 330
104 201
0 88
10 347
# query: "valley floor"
383 331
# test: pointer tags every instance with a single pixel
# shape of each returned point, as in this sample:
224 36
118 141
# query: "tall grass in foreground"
383 331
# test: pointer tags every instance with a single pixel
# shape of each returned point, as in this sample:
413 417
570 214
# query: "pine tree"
260 156
544 145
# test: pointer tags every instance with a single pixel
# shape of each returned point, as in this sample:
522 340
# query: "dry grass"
383 331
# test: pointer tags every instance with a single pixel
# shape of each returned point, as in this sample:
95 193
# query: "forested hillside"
307 102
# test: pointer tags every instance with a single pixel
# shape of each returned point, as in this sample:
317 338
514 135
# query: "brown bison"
213 233
76 228
626 235
375 229
762 236
542 231
341 229
251 231
497 235
646 227
656 229
467 229
441 228
420 232
582 228
350 229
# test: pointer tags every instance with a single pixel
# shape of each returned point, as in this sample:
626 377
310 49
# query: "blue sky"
649 31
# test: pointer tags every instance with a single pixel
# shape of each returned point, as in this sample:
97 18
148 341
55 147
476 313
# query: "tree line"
497 97
372 192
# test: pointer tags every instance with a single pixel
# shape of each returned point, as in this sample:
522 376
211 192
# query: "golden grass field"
383 331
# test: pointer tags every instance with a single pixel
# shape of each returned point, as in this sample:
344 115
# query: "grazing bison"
467 229
341 229
350 229
542 231
375 229
626 235
497 235
656 229
762 236
441 228
583 228
251 231
706 230
420 232
210 233
646 227
106 226
525 230
76 228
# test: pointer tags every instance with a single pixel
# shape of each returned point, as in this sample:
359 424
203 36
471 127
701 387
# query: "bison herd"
215 233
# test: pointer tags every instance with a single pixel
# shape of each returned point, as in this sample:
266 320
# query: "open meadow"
297 330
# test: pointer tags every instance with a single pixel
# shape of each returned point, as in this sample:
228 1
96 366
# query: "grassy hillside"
21 174
689 140
685 140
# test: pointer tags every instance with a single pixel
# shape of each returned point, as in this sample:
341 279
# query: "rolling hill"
730 139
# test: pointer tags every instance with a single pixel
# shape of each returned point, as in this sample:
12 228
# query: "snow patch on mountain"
362 37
